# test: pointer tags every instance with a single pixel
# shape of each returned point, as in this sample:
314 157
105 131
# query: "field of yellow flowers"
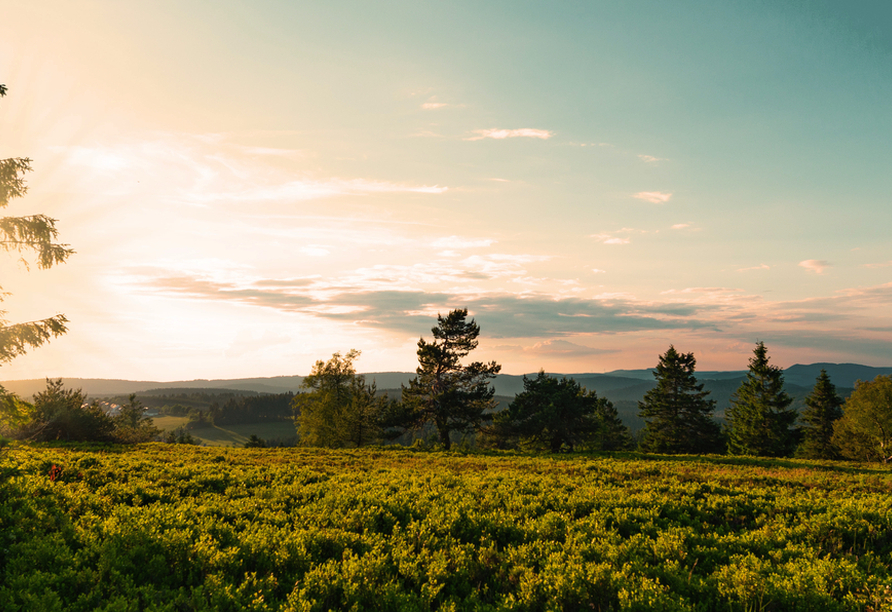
176 528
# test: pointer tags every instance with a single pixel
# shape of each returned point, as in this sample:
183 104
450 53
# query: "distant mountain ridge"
624 384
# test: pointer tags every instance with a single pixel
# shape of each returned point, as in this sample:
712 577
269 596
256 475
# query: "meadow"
177 527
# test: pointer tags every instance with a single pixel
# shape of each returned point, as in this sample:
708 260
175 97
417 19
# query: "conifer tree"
30 233
823 407
560 414
760 421
452 396
677 413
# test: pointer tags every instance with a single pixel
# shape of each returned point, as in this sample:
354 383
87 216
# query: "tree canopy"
452 396
677 413
36 233
338 408
760 421
560 414
864 432
822 410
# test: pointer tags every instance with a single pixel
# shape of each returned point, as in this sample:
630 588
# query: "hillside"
625 388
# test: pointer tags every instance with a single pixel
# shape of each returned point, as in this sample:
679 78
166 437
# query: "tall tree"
35 233
452 396
677 413
560 414
864 432
338 407
822 410
760 421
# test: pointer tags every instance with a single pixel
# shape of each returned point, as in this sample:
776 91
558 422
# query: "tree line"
553 413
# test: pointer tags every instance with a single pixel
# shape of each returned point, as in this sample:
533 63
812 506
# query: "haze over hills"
617 385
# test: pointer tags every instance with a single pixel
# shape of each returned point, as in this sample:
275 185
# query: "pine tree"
31 233
677 413
759 420
823 407
454 397
560 414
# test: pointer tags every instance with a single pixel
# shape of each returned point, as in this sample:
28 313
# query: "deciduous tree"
760 421
677 413
452 396
35 233
338 408
823 407
864 432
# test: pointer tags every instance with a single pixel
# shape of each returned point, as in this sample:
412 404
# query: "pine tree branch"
16 339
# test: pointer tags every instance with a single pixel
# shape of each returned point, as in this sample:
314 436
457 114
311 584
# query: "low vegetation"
163 527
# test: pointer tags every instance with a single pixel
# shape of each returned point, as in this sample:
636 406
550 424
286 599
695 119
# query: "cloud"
678 226
500 134
655 197
815 265
650 158
609 239
504 315
760 267
434 105
598 271
878 265
565 348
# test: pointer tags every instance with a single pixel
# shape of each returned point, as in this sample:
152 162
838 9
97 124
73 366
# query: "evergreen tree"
822 410
452 396
678 417
759 420
31 233
559 414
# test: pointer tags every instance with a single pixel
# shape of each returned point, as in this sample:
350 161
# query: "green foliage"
559 414
338 408
29 233
159 528
822 410
63 414
864 433
180 435
255 442
759 420
451 396
677 413
131 424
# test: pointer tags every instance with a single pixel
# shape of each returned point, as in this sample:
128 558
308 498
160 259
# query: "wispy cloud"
679 226
599 271
815 265
499 134
759 267
878 265
655 197
650 158
610 239
434 105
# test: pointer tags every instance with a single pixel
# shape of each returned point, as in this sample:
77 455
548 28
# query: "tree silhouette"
454 397
759 420
677 414
35 233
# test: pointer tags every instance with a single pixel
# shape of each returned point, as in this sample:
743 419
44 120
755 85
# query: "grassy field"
177 527
230 435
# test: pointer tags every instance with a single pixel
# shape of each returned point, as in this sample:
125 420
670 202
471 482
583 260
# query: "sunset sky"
252 186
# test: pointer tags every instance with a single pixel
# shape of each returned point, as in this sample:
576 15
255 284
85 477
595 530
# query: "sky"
251 187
